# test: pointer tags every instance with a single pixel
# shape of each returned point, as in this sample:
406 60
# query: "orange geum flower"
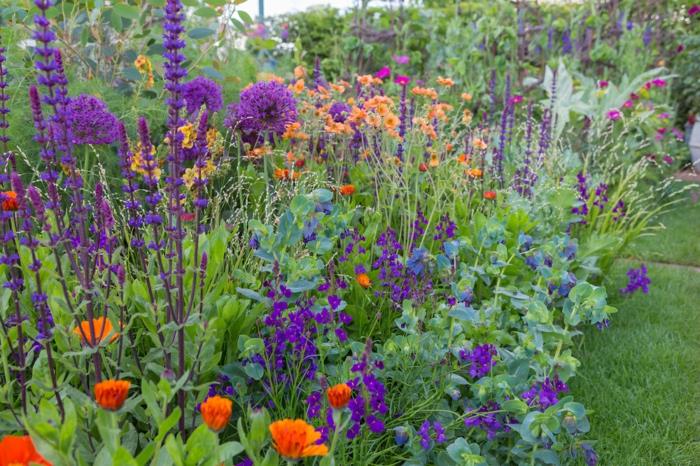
298 86
363 280
391 121
110 394
479 143
19 450
434 160
102 327
463 159
467 117
467 97
295 439
366 79
475 172
216 412
339 88
447 82
490 195
339 395
347 190
299 72
9 201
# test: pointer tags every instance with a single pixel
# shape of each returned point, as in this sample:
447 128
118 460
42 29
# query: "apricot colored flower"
423 167
9 201
391 121
479 143
467 97
363 280
216 411
490 195
19 450
295 439
110 394
101 325
447 82
339 395
434 160
347 189
475 172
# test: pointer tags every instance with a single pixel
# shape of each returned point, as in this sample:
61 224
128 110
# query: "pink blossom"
678 134
634 96
628 104
402 80
614 114
383 73
400 59
516 99
668 159
603 84
659 82
664 116
694 10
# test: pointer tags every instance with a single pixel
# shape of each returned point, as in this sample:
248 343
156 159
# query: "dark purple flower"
480 359
90 121
545 394
486 420
202 91
339 111
265 109
693 10
638 279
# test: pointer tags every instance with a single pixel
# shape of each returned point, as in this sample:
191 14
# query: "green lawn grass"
679 241
641 377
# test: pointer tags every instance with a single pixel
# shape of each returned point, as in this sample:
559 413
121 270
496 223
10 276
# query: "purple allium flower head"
202 91
90 121
265 109
638 280
339 111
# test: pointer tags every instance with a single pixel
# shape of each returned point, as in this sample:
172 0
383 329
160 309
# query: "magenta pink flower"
603 84
516 99
614 114
628 104
400 59
694 10
402 80
383 73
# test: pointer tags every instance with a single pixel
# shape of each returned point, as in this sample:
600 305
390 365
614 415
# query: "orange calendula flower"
447 82
110 394
103 328
295 439
339 395
475 172
490 195
363 280
19 450
216 411
347 189
9 201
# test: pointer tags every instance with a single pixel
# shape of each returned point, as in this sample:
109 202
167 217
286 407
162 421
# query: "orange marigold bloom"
475 172
447 82
19 450
339 395
9 201
101 325
490 195
347 189
363 280
110 394
295 439
216 411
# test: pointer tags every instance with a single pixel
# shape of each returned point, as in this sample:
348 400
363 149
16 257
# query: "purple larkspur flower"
485 419
90 121
265 109
545 394
480 359
638 280
200 92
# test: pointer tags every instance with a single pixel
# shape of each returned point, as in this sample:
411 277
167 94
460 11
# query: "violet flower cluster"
202 92
368 406
637 280
89 120
545 394
481 359
264 111
486 418
426 437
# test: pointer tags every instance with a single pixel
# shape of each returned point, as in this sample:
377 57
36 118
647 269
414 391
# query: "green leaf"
126 11
228 450
200 33
254 370
200 445
245 17
206 12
